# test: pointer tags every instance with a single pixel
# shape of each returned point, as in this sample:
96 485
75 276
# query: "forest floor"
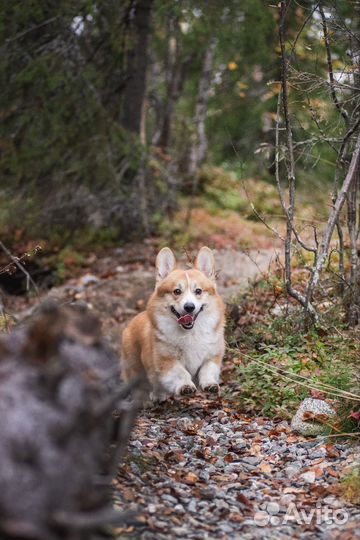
201 468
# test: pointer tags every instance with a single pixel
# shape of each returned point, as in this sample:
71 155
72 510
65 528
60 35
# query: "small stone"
221 504
308 477
208 493
333 502
151 508
239 443
136 444
180 531
317 453
286 499
179 509
251 460
169 498
204 475
184 423
88 279
272 507
291 471
226 528
192 506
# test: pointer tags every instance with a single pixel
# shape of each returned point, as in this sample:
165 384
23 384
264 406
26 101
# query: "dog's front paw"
212 388
187 389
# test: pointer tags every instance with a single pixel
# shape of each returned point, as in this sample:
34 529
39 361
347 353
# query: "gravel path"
198 469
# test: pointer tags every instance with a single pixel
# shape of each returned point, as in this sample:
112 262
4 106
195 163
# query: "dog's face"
186 294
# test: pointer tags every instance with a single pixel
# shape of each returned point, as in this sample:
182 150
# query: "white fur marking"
209 374
176 378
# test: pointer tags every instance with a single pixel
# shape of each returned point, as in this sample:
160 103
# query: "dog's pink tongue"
185 319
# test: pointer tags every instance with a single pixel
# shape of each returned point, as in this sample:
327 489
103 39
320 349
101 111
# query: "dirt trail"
117 285
198 468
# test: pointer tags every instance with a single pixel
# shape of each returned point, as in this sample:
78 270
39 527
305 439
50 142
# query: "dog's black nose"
189 307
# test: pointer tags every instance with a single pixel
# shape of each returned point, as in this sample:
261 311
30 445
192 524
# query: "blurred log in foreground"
59 439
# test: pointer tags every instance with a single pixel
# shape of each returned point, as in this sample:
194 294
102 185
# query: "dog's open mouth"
187 321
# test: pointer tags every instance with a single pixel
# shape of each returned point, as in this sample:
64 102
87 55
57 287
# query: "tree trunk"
199 143
175 69
136 66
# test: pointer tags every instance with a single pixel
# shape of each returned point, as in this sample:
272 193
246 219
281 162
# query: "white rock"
88 279
308 477
311 427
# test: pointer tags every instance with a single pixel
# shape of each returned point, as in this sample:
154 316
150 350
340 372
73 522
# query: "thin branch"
25 32
21 267
338 105
291 167
333 218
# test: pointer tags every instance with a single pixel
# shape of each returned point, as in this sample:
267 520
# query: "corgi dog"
179 339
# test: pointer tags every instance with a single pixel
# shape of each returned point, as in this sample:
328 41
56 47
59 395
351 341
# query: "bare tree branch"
338 105
334 215
21 267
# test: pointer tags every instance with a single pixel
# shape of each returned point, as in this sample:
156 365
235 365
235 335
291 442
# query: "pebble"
308 477
192 506
227 488
179 509
291 471
251 460
169 498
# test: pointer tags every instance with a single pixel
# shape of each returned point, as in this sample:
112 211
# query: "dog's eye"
177 292
198 291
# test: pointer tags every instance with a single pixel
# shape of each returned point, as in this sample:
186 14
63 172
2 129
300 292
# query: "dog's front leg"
174 378
209 374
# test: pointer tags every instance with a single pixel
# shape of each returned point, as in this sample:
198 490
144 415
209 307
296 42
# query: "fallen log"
59 438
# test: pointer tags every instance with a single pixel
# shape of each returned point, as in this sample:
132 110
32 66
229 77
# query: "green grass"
275 351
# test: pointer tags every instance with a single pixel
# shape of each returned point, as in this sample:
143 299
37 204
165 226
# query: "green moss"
350 486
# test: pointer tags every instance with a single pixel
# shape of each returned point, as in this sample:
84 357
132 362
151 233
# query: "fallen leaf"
292 439
293 490
191 478
244 500
332 472
255 450
236 517
331 451
265 467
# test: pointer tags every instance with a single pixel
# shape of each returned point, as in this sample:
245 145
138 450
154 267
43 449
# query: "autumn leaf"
265 467
244 500
191 478
331 451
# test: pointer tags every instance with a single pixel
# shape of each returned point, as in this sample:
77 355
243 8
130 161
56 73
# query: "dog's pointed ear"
205 262
165 263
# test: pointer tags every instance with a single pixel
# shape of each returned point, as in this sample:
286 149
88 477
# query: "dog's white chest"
191 347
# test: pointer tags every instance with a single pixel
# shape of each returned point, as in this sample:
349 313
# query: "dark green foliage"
68 70
65 159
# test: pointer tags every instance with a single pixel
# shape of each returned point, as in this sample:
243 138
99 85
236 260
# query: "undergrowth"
271 350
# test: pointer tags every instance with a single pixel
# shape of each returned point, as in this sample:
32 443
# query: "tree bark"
199 143
136 67
176 69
